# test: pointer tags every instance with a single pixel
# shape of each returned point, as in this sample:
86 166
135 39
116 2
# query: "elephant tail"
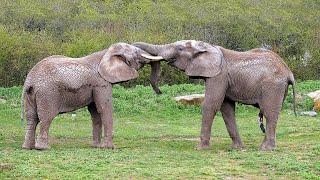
292 83
25 91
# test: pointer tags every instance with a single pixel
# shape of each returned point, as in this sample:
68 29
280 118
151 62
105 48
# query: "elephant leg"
271 108
47 110
96 125
228 114
154 76
108 129
103 102
214 96
32 122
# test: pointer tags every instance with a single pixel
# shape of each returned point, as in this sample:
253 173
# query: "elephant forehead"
121 46
188 43
215 50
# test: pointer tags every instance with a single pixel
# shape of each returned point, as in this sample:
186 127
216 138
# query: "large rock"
316 99
193 99
309 113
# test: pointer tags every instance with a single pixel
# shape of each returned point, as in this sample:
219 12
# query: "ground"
156 138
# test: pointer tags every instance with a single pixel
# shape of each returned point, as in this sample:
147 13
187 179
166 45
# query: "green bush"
32 30
303 102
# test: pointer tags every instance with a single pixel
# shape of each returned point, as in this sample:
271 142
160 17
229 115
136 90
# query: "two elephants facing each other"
59 84
258 77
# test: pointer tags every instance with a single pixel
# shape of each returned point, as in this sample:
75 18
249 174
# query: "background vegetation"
32 30
156 138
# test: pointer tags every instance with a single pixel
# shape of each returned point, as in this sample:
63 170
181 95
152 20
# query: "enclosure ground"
156 138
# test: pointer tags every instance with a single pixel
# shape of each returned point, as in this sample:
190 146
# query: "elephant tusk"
151 57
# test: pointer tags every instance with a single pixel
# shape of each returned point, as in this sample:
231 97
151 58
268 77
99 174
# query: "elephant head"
195 58
121 62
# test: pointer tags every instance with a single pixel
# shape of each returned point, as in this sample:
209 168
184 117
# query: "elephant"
60 84
258 77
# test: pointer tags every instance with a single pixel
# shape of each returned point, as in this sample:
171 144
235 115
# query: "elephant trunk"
22 106
166 51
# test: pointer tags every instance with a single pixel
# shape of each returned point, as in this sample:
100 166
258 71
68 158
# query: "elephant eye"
127 61
197 54
180 48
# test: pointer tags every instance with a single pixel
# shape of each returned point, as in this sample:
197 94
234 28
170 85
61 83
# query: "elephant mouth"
196 77
171 61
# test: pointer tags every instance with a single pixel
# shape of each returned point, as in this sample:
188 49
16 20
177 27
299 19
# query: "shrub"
32 30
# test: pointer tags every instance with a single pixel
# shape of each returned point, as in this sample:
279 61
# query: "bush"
32 30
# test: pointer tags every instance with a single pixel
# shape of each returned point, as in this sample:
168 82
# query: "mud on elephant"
60 84
258 77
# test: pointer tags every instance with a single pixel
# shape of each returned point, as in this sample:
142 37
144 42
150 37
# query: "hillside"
32 30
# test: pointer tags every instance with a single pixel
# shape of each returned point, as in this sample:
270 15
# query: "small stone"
309 113
193 99
316 99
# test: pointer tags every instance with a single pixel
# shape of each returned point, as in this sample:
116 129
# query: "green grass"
156 138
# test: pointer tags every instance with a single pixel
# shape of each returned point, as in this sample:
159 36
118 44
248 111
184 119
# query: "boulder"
193 99
316 99
309 113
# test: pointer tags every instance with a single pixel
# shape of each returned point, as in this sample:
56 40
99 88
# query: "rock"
309 113
193 99
316 99
314 95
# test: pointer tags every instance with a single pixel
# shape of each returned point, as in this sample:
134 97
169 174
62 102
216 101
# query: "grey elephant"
59 84
258 77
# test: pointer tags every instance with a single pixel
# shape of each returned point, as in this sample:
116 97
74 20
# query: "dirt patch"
6 167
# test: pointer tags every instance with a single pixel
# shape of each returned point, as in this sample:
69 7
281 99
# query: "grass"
156 138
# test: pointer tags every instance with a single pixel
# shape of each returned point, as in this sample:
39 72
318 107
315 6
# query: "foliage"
32 30
155 138
304 102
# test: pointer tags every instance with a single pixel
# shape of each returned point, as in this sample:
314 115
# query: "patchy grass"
156 138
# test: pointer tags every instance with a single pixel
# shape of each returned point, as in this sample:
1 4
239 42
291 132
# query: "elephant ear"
114 69
206 63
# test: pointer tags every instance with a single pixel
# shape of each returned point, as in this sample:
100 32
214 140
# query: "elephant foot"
95 145
28 145
267 146
203 145
42 145
237 145
107 145
158 91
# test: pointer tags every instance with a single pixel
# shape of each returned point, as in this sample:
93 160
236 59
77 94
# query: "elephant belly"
244 95
73 100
